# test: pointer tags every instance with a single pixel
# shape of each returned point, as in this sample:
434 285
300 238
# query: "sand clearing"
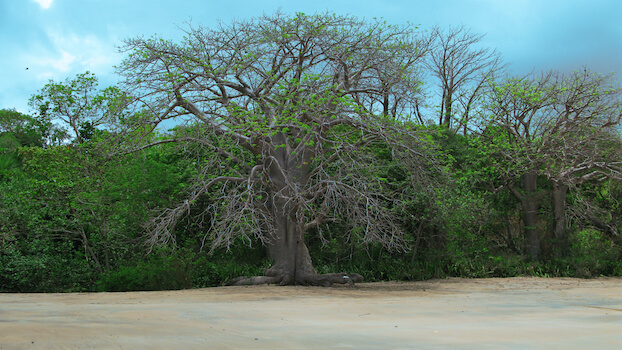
508 313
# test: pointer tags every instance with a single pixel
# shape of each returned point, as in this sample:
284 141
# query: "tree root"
255 280
324 280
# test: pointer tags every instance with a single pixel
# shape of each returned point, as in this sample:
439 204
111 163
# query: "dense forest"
310 150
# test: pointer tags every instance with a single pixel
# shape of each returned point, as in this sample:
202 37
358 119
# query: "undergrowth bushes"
167 269
71 224
58 270
45 266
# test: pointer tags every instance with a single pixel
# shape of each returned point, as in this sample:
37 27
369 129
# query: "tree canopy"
297 99
79 105
313 141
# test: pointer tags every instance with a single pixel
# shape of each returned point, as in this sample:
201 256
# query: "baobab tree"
287 106
518 108
563 128
582 142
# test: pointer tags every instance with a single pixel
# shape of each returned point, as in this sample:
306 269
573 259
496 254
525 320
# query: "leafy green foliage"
593 254
158 271
79 106
44 265
72 216
17 129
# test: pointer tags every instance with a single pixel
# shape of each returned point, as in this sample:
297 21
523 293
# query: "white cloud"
44 3
62 64
73 53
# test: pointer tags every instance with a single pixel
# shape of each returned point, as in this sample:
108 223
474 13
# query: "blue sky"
57 39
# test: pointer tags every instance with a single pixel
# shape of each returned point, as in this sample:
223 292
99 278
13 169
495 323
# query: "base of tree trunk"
324 280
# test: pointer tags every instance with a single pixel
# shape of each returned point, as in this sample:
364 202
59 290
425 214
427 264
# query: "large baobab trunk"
529 205
292 262
286 243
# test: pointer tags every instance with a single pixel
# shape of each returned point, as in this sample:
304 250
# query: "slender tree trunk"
558 199
418 113
448 102
87 248
385 105
442 113
417 240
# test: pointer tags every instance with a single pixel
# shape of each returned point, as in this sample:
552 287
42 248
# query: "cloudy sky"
57 39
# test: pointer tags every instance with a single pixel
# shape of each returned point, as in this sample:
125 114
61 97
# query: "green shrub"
159 271
184 268
593 254
211 271
45 266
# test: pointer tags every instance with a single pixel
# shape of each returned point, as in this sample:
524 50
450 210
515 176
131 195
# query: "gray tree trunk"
286 244
529 205
292 262
558 199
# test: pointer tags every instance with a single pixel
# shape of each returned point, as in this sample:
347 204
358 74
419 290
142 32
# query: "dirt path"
513 313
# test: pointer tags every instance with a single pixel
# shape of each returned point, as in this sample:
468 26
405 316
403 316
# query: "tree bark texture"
291 260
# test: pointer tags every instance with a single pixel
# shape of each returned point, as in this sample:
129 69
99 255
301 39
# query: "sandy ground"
513 313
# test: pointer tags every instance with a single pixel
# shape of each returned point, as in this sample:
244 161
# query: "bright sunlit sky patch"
57 39
44 3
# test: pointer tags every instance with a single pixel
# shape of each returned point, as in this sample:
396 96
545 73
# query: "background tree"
399 87
18 129
558 127
518 108
461 69
11 120
78 104
582 142
279 102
